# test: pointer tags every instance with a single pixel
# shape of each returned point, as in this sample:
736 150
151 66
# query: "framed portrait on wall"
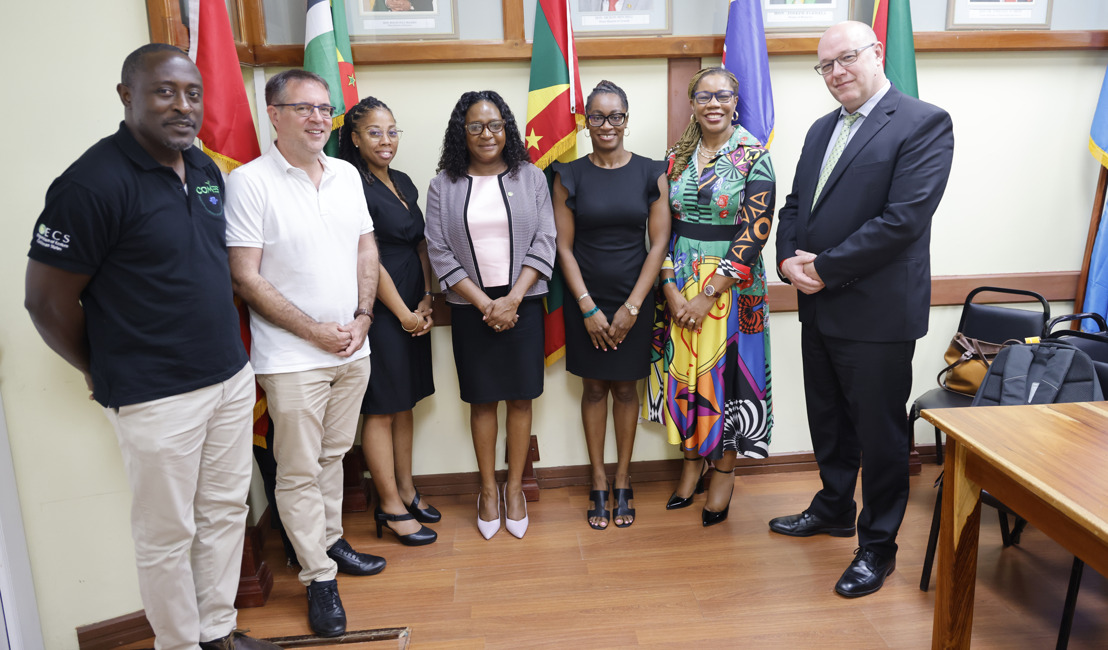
803 15
998 14
386 20
620 17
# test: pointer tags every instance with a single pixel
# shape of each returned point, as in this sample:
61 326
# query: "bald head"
863 75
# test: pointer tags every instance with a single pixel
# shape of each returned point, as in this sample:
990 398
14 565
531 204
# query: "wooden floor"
667 582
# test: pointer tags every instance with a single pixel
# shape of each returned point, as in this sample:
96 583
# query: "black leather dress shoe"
354 563
806 524
325 613
865 574
237 640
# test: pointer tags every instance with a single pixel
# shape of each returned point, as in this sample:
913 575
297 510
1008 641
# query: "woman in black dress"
399 346
604 204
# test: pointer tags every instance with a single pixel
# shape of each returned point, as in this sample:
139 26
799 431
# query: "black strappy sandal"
622 497
599 510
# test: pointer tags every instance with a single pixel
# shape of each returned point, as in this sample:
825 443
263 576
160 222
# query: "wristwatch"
631 308
709 290
361 311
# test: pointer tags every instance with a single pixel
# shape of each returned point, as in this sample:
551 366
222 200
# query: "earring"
735 117
626 132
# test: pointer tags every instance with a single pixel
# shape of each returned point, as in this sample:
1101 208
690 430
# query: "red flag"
228 133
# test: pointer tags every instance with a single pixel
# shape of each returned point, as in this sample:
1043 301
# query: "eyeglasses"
723 96
615 119
377 134
845 59
477 128
303 109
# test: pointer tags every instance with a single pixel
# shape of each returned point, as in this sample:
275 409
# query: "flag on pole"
327 53
555 113
892 22
744 55
227 134
1096 287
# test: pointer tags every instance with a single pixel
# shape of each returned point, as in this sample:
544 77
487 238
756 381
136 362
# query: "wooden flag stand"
1090 241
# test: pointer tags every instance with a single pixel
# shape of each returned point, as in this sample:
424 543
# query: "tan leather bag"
967 362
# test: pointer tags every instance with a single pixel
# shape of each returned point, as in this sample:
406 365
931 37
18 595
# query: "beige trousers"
315 418
188 461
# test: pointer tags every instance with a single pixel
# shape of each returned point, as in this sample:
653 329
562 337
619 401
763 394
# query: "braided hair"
606 87
683 149
454 159
350 153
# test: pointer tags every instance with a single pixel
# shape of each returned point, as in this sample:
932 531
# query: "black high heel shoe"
711 518
426 515
421 537
677 502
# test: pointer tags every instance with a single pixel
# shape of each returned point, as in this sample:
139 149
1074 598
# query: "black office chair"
988 323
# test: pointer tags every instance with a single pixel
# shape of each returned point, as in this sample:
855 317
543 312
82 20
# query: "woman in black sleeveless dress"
604 206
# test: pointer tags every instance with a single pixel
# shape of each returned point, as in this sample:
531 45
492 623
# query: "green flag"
327 53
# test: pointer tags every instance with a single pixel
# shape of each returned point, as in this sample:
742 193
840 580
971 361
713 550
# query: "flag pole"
1090 239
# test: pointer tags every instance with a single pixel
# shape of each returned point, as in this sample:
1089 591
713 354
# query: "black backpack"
1039 373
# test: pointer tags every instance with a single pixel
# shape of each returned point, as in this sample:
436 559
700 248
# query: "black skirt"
494 366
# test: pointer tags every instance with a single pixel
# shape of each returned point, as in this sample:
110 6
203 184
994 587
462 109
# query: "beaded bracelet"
666 281
590 313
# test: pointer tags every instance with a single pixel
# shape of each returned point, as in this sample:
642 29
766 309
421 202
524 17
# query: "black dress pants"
856 394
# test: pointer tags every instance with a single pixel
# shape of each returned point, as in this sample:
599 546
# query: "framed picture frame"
998 14
804 15
403 20
621 17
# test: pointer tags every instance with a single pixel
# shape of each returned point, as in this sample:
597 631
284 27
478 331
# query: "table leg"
958 537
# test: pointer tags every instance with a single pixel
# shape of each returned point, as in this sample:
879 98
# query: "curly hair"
683 149
454 159
349 152
606 87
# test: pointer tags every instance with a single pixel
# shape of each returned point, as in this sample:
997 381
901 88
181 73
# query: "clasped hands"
423 319
801 271
500 314
606 335
343 340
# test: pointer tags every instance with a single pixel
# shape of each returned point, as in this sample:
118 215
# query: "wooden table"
1049 463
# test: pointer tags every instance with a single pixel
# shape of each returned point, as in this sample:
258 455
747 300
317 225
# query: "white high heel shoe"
488 528
517 527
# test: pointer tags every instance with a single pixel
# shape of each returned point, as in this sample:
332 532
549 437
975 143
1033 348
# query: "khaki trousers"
315 418
188 462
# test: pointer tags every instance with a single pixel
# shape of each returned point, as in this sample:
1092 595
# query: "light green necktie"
836 151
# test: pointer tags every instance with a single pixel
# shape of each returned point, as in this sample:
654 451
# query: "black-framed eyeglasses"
846 59
377 134
477 128
304 109
615 119
723 96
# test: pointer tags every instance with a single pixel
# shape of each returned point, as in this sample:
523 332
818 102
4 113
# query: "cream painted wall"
996 217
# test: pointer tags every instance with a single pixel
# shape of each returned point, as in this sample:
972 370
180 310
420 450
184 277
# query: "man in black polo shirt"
128 281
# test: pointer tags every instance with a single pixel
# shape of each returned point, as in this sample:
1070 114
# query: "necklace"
705 152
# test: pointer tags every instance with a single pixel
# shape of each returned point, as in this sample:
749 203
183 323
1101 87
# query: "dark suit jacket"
871 228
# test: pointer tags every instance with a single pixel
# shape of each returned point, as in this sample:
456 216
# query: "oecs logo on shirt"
209 197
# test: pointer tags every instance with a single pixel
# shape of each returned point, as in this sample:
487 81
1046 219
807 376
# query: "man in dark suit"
854 239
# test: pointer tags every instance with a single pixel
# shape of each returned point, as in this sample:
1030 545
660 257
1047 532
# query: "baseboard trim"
115 632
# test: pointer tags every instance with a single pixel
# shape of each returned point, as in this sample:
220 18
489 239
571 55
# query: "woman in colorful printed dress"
604 204
398 339
717 397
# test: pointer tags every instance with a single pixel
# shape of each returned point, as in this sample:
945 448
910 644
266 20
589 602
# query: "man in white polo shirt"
304 259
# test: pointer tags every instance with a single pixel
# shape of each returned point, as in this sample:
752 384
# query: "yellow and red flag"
227 134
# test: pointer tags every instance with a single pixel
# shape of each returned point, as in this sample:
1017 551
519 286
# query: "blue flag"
1096 290
744 54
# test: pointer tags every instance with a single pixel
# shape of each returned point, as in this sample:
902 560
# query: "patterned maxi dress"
712 389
